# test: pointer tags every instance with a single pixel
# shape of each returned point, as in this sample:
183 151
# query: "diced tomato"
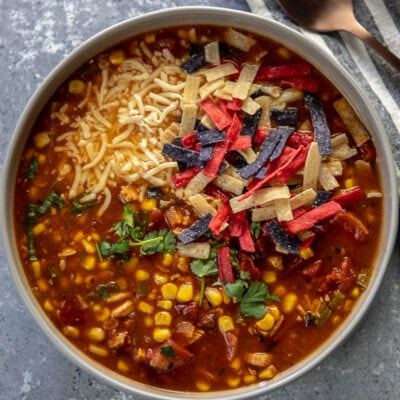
232 344
313 269
341 277
350 224
189 310
71 312
246 264
178 356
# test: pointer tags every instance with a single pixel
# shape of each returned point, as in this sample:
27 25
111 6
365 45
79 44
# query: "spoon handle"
358 30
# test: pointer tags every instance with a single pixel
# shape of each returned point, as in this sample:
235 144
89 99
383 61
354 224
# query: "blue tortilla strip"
261 173
278 234
195 62
196 231
181 154
210 136
266 150
318 120
285 132
321 198
250 123
284 117
152 192
236 159
205 155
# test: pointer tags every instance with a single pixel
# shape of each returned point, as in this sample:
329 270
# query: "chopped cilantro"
161 241
79 206
168 351
251 297
32 169
255 229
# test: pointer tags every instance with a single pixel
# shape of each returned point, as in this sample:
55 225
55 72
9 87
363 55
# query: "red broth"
201 208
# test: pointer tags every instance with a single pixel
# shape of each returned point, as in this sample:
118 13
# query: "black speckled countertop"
34 37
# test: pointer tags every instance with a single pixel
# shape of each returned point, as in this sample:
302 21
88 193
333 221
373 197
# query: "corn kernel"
167 259
248 379
284 52
203 386
89 263
148 204
42 159
131 264
164 304
105 264
227 299
289 303
95 236
48 306
142 275
233 381
103 314
161 334
276 262
150 38
183 264
148 322
274 311
280 291
42 285
236 363
96 334
169 291
269 277
145 308
37 270
185 293
76 86
348 304
266 323
78 279
349 183
123 366
225 324
160 279
268 373
98 350
71 331
355 292
89 246
306 253
78 236
41 139
163 318
214 296
336 320
117 57
182 34
38 229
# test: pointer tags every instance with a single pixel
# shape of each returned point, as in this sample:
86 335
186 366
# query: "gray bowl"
216 16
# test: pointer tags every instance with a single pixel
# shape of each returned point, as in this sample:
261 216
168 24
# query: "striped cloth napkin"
380 82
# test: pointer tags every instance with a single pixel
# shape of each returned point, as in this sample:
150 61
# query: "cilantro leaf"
168 351
33 167
79 206
255 229
161 241
202 268
111 249
251 297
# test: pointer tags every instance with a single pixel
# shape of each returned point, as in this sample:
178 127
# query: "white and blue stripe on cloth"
380 82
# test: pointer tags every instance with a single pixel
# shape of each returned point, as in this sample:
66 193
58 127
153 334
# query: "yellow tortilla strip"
191 89
220 71
189 115
283 210
351 120
243 84
239 40
230 184
249 106
311 167
326 178
211 52
258 198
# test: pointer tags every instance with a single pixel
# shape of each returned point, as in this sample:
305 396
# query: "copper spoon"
334 15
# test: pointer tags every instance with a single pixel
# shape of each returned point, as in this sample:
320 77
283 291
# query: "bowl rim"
211 16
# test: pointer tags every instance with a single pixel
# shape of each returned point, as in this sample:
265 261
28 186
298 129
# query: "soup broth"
198 208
